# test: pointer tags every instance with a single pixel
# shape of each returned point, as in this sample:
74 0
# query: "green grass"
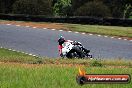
53 76
10 56
104 30
55 73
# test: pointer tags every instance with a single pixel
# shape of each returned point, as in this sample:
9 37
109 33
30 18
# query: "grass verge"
10 56
55 73
13 56
53 76
103 30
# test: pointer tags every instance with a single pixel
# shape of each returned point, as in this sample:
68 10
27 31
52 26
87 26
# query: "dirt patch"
36 24
26 65
118 66
14 64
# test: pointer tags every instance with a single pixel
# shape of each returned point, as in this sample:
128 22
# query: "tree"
94 9
127 11
116 7
78 3
6 6
119 8
33 7
62 8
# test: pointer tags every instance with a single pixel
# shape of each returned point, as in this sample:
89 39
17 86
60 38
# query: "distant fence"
76 20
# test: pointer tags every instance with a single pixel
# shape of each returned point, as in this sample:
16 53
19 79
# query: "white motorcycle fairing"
67 46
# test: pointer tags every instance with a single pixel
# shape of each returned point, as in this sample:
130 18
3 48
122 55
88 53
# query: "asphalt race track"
43 42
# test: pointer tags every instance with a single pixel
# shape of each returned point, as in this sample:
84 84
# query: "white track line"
27 26
30 54
99 35
9 49
26 53
20 52
23 52
34 27
83 33
53 29
77 32
13 50
8 24
18 25
90 34
119 38
34 55
45 28
60 30
106 36
124 39
69 31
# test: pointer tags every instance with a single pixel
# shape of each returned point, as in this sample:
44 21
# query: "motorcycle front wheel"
75 53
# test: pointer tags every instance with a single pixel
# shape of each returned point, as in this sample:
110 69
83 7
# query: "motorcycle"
75 50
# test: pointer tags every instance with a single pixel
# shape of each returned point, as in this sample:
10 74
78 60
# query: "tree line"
92 8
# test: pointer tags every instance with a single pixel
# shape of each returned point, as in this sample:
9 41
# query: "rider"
61 40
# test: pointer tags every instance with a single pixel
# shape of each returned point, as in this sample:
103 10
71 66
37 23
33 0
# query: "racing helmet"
61 40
